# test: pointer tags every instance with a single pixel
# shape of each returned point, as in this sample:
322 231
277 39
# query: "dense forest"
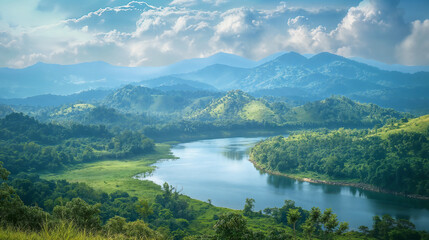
28 145
394 157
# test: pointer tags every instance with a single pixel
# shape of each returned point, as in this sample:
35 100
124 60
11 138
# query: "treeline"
92 210
313 224
397 161
28 145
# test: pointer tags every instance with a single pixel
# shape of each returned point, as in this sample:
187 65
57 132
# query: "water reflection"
280 182
330 189
234 154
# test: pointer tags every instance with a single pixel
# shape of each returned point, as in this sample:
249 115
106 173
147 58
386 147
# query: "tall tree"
293 216
248 207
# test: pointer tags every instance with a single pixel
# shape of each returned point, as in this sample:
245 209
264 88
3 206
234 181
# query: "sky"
161 32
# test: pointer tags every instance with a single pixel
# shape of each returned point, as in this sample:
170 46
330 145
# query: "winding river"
219 170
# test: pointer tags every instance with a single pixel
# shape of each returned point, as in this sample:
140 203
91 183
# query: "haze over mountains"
288 75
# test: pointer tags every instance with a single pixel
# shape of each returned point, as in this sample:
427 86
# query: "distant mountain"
57 100
169 83
392 67
288 75
321 76
5 110
218 75
43 78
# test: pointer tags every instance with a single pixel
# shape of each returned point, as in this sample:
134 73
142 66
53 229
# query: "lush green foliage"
27 145
387 158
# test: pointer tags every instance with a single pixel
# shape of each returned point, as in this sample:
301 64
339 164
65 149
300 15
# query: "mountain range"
290 75
43 78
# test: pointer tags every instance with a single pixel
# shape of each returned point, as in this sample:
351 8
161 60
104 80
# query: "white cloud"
136 34
298 20
415 48
185 3
372 29
189 3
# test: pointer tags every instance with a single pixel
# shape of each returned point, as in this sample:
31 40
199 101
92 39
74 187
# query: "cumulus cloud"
185 3
372 30
188 3
136 33
414 49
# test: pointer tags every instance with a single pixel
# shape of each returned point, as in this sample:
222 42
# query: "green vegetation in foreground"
394 158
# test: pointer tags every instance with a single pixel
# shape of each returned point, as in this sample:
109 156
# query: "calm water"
218 169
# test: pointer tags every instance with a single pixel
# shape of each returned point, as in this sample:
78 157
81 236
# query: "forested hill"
333 111
137 99
342 110
394 157
28 145
238 105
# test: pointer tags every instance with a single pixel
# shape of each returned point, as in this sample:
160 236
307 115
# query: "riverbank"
363 186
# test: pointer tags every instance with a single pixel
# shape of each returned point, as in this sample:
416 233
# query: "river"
218 169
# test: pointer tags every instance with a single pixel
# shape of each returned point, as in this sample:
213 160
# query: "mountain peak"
291 58
327 57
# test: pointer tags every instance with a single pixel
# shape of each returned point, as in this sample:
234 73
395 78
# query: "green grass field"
113 175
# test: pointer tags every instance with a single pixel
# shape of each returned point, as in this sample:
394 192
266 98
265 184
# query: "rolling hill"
138 99
333 111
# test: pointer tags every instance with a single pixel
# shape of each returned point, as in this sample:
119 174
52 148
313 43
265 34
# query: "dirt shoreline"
363 186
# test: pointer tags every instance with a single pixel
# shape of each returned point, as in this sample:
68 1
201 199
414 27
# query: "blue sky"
160 32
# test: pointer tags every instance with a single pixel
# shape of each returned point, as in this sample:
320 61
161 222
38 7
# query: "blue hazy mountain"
46 100
43 78
284 74
392 67
321 76
168 83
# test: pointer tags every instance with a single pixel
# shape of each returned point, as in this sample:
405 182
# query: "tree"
3 172
344 226
308 228
81 213
248 207
140 230
12 209
144 209
115 225
231 226
293 216
329 221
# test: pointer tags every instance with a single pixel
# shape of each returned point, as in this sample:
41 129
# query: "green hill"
415 125
341 110
394 157
237 105
137 99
